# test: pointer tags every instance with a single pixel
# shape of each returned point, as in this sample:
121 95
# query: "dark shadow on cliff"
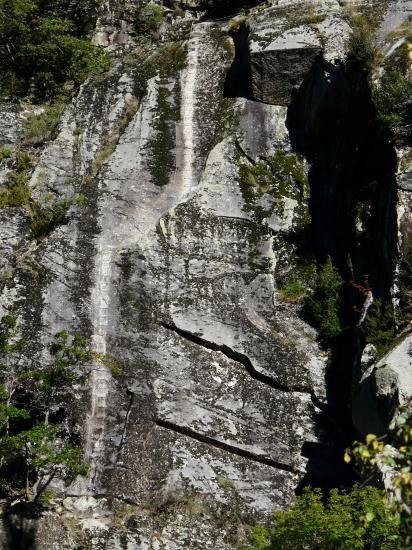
332 123
238 82
222 9
19 523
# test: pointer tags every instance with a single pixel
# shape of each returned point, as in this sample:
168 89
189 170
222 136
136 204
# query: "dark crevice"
332 123
247 364
183 430
240 150
212 10
238 82
131 396
234 356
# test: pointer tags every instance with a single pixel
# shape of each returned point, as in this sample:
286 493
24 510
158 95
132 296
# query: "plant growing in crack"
323 307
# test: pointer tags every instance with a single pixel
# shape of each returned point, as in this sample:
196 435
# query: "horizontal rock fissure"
234 356
202 438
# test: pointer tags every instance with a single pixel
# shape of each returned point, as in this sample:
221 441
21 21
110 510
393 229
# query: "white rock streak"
101 377
188 86
128 211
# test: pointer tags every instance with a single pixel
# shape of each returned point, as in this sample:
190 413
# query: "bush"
379 327
348 520
16 191
41 49
149 20
293 291
391 454
323 308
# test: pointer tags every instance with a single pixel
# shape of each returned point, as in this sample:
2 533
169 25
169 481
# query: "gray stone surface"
170 268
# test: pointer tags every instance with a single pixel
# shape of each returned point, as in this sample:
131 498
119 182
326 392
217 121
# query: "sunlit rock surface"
169 266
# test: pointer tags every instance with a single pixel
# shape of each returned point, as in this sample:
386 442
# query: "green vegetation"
394 451
293 291
392 91
15 190
323 307
362 46
363 518
392 98
348 520
296 285
39 128
379 326
5 153
35 444
42 48
44 220
281 175
149 19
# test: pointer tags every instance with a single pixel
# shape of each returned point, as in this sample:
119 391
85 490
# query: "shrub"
293 291
5 153
149 19
379 327
355 519
16 191
391 453
323 307
16 195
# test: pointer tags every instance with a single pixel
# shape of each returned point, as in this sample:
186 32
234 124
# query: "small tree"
35 444
41 48
323 308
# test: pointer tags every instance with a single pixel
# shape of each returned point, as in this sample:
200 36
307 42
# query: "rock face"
194 210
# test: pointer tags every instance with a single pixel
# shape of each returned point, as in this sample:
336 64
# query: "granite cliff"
218 160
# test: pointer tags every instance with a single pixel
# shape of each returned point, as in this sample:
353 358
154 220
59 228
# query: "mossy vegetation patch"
15 190
297 284
161 147
380 327
41 127
280 176
44 219
149 20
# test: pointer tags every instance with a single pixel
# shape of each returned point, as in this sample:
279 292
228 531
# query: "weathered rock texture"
170 268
